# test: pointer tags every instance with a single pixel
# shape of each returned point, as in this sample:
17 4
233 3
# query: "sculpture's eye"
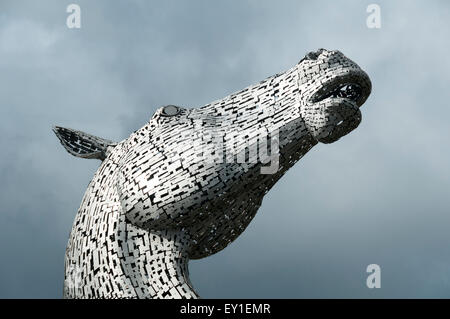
170 110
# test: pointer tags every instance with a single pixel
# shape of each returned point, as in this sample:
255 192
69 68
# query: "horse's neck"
156 263
107 257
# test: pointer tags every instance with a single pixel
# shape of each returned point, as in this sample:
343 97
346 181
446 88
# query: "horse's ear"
83 145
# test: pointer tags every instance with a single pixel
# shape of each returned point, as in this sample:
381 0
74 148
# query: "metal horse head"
189 182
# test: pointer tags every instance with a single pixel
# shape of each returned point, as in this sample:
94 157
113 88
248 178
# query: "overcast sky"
379 195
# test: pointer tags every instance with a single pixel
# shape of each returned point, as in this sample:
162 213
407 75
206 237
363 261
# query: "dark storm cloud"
377 196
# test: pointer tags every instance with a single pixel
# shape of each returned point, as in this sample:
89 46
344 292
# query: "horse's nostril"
314 55
311 56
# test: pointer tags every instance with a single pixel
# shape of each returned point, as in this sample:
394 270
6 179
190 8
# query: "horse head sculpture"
189 182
